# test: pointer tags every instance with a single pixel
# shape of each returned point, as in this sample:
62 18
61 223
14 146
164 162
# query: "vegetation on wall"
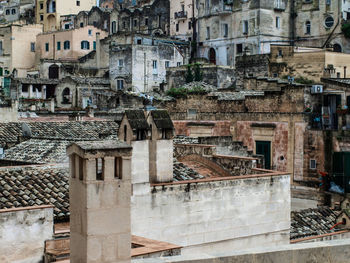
193 73
345 28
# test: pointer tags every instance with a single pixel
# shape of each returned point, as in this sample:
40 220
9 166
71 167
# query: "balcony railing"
180 15
279 5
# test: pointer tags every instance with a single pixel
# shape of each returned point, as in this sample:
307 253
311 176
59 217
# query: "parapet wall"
23 232
240 212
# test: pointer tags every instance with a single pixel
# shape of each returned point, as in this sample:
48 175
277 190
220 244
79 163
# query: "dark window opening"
239 48
81 168
125 132
73 156
118 166
140 135
99 169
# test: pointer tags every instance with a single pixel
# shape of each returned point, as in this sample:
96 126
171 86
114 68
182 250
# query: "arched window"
114 27
85 44
308 27
66 96
337 48
66 45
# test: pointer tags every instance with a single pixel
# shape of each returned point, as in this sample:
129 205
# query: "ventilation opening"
99 169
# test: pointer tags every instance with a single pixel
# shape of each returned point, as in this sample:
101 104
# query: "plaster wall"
161 160
184 31
23 234
215 214
8 114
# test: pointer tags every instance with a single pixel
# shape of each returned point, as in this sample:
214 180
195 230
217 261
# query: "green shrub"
189 75
303 80
177 92
197 90
345 28
198 75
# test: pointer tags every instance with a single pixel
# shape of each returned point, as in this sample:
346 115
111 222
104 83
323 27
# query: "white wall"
23 234
216 215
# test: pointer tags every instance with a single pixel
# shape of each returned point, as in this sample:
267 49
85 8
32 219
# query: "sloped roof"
137 119
37 151
162 119
32 186
312 222
65 130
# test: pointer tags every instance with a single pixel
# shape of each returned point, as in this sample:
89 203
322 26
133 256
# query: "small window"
94 45
41 17
329 22
146 21
118 167
177 27
58 45
7 11
32 47
307 27
208 32
124 25
154 64
239 48
66 45
312 164
90 32
41 6
225 30
178 64
120 63
85 44
120 84
280 53
189 25
13 11
47 47
135 22
81 24
278 22
99 169
139 41
78 3
66 26
245 27
114 27
167 64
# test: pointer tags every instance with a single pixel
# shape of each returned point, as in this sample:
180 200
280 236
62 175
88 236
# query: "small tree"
198 75
189 75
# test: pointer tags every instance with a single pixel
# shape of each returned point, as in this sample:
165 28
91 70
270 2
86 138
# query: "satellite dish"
26 131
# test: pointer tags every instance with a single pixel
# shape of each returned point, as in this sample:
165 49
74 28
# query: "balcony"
180 15
279 5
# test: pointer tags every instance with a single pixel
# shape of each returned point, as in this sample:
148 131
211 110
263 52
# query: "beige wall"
184 32
63 7
17 52
75 37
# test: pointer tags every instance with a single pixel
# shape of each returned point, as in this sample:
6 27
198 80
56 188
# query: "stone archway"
54 71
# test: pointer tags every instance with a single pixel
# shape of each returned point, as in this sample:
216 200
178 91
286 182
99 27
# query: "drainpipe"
292 21
344 72
53 47
98 50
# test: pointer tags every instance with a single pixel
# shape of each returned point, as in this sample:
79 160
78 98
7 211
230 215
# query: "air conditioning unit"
316 89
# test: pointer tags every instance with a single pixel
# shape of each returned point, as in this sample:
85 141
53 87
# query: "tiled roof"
162 119
182 172
137 119
30 186
312 222
37 151
69 130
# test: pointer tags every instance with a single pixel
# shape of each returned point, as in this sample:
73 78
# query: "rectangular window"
90 32
167 64
245 27
312 164
32 46
177 27
118 167
135 23
120 84
178 64
225 30
66 45
146 21
41 17
278 22
78 3
47 47
94 45
120 63
66 26
41 6
207 6
81 24
239 48
208 32
154 64
99 169
58 45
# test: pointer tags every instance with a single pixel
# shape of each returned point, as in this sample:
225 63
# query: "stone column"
30 91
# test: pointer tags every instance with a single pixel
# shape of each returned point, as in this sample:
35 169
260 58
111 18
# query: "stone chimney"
98 50
99 197
161 146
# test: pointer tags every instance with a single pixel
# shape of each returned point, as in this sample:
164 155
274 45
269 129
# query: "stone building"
17 49
98 17
227 29
149 17
49 12
68 44
318 24
139 62
182 15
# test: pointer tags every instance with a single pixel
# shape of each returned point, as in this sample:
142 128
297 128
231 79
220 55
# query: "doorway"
264 148
212 56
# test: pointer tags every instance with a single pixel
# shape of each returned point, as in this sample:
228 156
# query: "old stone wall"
214 128
8 114
216 213
23 232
